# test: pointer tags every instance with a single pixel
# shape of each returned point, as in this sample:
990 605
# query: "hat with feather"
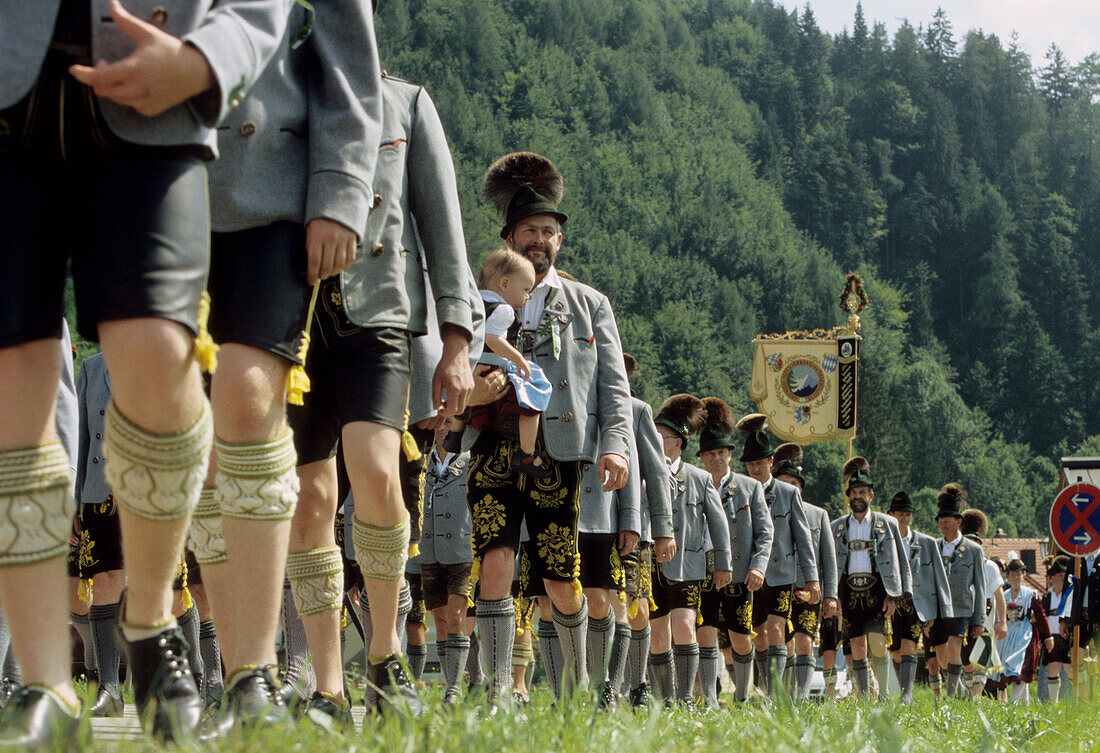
855 465
523 184
950 502
718 425
682 413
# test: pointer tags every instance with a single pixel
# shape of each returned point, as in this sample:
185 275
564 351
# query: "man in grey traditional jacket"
290 198
874 573
120 146
806 617
914 616
792 549
964 562
569 330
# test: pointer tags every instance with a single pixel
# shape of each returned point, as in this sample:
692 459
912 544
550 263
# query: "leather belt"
860 545
861 581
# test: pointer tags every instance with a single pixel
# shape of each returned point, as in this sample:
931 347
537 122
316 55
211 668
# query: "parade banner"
806 383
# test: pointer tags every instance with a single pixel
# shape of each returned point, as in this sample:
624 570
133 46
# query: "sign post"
1075 528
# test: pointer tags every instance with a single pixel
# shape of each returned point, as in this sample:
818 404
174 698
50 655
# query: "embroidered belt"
860 545
861 581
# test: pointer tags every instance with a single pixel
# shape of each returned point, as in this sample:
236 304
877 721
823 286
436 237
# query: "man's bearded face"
538 238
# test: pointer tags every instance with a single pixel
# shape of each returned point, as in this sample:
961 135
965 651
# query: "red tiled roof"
1001 546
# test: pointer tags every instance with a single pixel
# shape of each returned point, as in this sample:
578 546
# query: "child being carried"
506 281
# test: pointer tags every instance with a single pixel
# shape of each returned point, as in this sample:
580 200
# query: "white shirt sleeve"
993 579
500 320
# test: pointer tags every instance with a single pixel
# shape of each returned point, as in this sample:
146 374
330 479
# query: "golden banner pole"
1075 650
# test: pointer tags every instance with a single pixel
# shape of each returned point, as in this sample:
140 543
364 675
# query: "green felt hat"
859 478
757 447
788 468
900 502
527 203
713 437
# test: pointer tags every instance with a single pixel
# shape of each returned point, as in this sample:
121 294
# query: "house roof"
1001 547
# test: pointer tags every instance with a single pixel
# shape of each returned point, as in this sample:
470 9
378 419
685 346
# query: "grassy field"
928 725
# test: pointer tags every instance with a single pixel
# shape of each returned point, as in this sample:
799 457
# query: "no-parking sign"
1075 520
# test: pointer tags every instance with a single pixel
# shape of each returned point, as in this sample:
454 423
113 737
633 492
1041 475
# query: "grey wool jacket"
821 534
237 38
446 532
751 528
301 146
792 547
889 553
649 478
93 392
589 412
607 512
931 591
695 507
415 224
966 577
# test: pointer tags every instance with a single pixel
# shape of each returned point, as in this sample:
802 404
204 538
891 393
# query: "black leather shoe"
608 698
107 704
165 692
396 691
253 701
639 697
34 719
329 713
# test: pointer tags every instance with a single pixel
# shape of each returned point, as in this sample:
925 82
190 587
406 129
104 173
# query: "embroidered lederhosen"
735 601
637 571
805 617
500 499
862 595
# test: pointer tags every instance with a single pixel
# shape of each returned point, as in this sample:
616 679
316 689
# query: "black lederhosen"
356 374
736 603
258 290
905 624
439 582
805 617
710 608
1061 652
413 473
771 600
672 594
862 597
947 627
637 571
418 613
601 566
501 499
830 634
133 219
98 547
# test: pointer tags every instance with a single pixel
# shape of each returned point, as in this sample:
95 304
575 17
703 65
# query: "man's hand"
616 470
888 607
814 588
664 548
160 73
977 631
628 542
431 424
488 384
1063 628
1049 644
453 373
829 608
722 578
754 580
928 628
330 248
1000 630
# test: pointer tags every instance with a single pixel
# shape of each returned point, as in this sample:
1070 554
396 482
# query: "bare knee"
248 394
497 567
312 524
599 602
742 644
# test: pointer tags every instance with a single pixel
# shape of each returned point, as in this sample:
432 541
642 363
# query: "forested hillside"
727 162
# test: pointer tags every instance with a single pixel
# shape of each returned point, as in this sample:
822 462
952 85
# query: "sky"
1074 25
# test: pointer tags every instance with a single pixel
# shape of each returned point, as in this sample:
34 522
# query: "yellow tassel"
475 573
577 587
206 350
297 381
652 605
470 602
698 618
408 444
622 597
344 618
414 549
632 611
84 590
188 602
